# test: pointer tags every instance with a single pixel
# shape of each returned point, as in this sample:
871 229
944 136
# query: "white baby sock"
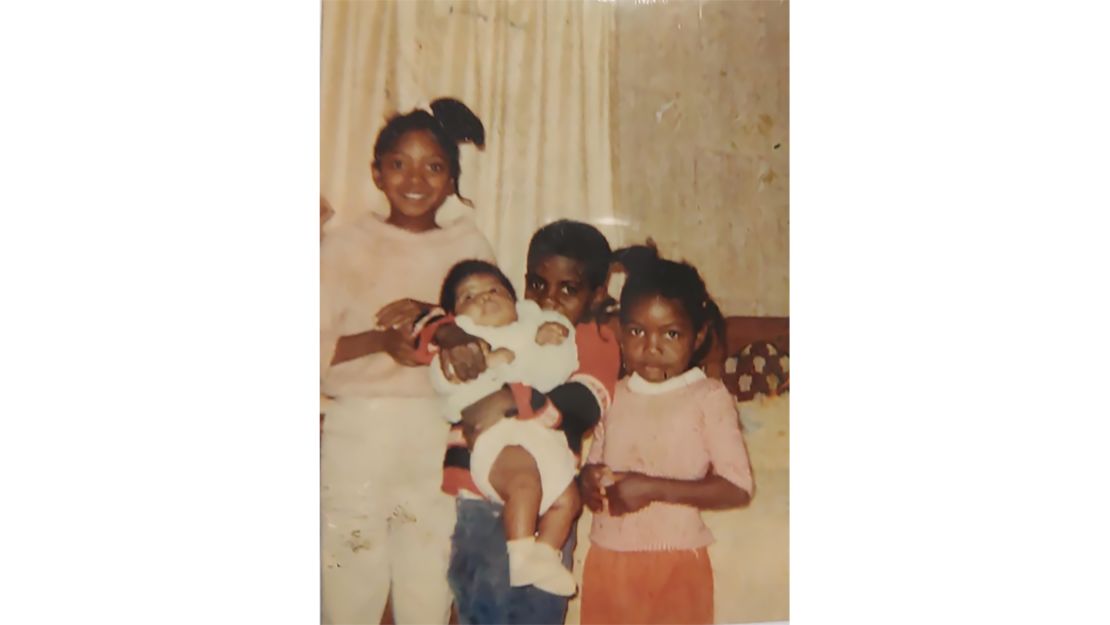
520 550
538 564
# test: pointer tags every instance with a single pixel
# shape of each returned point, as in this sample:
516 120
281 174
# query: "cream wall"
700 99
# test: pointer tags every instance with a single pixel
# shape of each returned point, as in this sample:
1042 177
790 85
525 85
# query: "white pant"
385 519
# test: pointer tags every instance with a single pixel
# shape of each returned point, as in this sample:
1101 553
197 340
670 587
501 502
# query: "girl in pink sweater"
386 527
669 447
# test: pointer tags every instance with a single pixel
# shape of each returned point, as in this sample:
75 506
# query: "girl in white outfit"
386 525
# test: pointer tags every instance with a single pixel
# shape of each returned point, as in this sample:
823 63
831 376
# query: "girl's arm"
579 403
355 346
729 483
393 342
590 484
462 357
634 491
400 315
403 314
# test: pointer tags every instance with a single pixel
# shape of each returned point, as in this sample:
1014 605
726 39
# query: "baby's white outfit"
543 367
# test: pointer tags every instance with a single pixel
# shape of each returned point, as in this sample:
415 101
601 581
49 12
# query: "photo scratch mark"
663 109
485 18
357 543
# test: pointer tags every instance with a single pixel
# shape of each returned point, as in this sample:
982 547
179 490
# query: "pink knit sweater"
675 429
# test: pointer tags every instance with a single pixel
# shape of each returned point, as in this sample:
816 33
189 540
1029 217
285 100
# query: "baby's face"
485 300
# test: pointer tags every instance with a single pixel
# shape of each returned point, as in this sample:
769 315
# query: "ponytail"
714 322
459 122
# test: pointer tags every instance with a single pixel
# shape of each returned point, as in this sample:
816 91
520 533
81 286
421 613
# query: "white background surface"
160 181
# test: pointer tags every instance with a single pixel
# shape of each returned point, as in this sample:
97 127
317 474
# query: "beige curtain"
536 73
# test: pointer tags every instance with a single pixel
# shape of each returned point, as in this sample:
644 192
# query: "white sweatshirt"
543 367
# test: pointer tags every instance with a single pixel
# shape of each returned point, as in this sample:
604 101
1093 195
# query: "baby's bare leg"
516 478
555 524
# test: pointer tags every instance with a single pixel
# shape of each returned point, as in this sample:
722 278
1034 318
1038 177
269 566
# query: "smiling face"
658 338
485 299
415 176
559 283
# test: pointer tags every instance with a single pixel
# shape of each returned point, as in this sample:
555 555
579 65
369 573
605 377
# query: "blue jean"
479 573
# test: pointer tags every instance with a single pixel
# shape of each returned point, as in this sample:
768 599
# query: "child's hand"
482 414
462 357
608 478
500 356
630 492
551 333
402 315
399 346
591 485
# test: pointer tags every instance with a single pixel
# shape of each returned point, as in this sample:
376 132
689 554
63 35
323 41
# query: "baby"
535 348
